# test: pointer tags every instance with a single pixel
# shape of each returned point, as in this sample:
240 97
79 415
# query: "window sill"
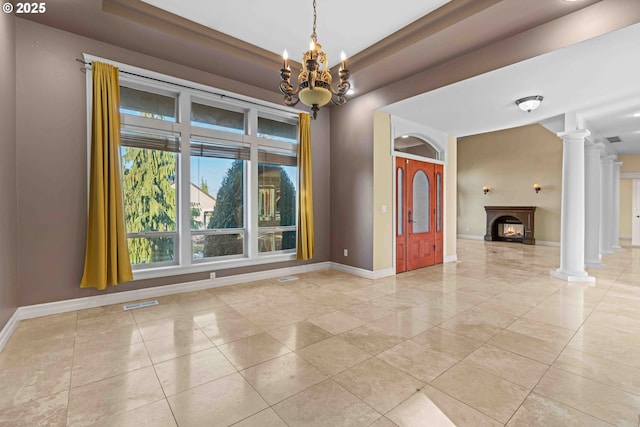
176 270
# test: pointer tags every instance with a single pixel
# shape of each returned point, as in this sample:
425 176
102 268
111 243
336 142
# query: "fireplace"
511 224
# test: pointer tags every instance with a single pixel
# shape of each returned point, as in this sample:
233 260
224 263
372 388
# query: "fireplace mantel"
525 214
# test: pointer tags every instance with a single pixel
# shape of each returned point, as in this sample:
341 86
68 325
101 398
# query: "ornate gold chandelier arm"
289 92
338 95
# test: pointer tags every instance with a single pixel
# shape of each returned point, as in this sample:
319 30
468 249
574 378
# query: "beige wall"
630 163
382 192
52 161
8 213
626 203
509 162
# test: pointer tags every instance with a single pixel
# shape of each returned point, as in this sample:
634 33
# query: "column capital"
594 145
608 158
617 164
577 135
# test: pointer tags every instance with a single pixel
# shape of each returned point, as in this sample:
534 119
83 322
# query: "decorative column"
607 199
572 210
592 204
616 205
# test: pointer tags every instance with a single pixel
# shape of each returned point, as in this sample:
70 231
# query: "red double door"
419 208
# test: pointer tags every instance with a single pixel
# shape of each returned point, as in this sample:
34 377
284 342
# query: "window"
421 196
277 190
218 169
206 182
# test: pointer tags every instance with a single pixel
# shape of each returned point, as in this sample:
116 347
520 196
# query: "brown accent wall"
352 124
8 212
52 161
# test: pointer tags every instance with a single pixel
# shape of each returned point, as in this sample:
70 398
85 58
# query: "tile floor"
491 340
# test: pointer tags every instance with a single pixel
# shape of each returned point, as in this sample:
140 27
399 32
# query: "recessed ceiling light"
636 114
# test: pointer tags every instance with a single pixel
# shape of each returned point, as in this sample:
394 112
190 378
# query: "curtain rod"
221 95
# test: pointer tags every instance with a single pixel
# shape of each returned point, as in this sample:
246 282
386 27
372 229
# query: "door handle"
410 217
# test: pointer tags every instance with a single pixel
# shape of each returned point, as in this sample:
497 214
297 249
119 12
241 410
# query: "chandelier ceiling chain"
315 84
314 36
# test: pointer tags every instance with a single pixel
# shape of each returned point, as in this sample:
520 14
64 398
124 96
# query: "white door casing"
635 214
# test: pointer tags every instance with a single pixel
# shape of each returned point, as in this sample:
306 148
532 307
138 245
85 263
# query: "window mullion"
184 181
252 187
252 208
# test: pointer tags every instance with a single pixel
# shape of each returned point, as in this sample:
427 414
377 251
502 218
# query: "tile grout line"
555 359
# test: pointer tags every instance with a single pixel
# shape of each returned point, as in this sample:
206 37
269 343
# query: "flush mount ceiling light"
529 103
315 84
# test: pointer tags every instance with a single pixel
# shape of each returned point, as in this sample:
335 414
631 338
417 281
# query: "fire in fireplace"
510 229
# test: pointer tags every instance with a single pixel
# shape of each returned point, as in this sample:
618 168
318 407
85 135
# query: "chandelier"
315 84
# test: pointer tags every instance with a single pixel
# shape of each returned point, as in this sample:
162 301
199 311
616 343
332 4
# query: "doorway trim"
635 213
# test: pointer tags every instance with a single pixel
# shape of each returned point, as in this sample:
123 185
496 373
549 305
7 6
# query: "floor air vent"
140 305
287 279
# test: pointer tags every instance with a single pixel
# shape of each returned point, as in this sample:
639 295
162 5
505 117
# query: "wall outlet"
346 252
383 209
212 275
467 228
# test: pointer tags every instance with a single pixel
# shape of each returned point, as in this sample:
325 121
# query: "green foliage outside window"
150 202
228 213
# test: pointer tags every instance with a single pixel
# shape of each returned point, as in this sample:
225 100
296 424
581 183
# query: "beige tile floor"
491 340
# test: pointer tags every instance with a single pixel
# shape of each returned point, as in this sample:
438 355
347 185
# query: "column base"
593 264
573 276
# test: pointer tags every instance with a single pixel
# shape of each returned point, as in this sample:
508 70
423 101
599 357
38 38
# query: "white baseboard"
268 274
46 309
361 272
8 329
387 272
450 258
471 236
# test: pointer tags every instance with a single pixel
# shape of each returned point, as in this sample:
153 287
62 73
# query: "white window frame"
187 92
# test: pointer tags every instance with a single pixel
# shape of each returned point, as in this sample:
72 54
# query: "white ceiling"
276 25
598 78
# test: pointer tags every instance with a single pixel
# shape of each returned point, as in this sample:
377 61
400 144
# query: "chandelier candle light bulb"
315 84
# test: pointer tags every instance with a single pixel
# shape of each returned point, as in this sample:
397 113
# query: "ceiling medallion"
315 84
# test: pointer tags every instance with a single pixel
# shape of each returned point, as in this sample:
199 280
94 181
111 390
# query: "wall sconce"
537 188
485 189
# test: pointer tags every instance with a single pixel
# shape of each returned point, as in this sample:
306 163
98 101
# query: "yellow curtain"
106 259
305 208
